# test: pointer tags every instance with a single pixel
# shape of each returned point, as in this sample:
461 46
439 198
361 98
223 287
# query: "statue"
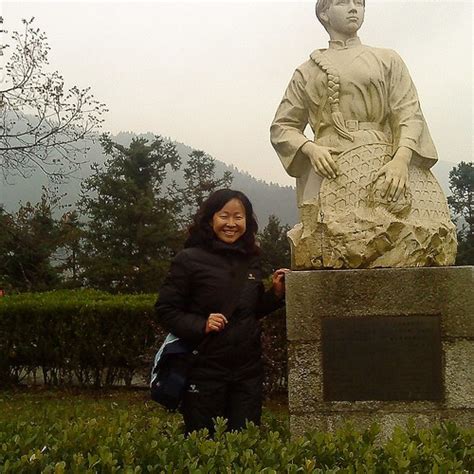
366 195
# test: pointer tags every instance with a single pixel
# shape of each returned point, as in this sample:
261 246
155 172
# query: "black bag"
175 358
170 372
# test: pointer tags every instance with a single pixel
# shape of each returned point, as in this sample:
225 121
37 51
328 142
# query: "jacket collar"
350 43
236 247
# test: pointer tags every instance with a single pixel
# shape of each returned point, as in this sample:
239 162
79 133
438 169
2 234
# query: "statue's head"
342 16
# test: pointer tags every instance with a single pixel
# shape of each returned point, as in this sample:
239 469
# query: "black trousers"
236 398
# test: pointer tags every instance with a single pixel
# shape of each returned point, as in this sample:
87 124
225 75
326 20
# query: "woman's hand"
321 160
215 323
278 282
396 174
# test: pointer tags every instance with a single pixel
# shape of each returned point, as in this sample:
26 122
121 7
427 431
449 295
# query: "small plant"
120 431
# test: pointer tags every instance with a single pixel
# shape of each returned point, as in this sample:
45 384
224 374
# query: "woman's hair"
201 232
321 6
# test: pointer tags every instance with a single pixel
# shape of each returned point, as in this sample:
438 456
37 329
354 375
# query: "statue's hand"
321 160
396 175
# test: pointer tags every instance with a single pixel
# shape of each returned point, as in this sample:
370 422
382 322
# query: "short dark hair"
200 231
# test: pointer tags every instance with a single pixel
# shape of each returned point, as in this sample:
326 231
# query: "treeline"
461 203
124 229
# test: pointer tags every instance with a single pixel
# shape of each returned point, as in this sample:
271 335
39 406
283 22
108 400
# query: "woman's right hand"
215 323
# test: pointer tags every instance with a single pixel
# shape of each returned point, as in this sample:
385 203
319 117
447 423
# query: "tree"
461 202
274 245
132 230
42 125
6 244
70 248
28 240
200 181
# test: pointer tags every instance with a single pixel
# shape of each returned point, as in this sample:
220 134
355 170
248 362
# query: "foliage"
275 254
89 337
117 433
461 202
127 227
68 260
41 123
76 337
200 182
274 245
28 239
274 353
6 244
133 229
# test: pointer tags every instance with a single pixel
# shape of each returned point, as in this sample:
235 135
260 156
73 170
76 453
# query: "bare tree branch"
42 124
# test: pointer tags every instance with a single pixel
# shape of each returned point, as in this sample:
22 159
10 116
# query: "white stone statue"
366 195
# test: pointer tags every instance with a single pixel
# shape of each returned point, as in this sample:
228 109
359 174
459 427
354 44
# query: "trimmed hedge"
83 336
93 338
56 434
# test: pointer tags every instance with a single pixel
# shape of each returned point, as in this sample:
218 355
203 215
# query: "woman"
214 293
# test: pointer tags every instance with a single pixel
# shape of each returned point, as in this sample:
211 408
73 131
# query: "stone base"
445 293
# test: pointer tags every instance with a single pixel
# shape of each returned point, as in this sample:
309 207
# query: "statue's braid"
333 92
333 79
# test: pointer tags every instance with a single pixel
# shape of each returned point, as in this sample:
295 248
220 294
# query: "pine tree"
200 181
28 241
133 228
274 245
71 230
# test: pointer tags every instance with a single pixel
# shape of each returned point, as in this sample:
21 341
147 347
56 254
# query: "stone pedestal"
406 335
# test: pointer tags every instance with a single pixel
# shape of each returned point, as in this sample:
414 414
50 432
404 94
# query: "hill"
268 198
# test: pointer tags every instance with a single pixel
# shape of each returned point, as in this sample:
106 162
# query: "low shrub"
274 350
84 336
121 433
93 338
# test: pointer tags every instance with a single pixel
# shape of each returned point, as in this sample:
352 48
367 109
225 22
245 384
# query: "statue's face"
344 16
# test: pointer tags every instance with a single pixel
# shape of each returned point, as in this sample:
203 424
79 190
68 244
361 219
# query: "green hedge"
89 337
83 336
274 350
54 434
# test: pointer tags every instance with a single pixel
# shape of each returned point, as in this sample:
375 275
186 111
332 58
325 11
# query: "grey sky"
211 74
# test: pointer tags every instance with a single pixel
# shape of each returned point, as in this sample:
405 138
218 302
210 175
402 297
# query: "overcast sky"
211 74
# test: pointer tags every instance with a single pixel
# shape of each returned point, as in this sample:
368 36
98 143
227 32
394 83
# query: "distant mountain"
267 198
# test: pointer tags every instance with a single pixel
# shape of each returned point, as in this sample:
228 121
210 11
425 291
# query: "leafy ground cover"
54 431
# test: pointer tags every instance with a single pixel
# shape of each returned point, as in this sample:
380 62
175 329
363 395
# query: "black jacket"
199 283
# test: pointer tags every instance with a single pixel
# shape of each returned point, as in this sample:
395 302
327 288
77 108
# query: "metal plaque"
382 358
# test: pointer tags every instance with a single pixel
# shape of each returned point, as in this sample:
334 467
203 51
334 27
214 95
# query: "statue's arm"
407 122
411 137
287 129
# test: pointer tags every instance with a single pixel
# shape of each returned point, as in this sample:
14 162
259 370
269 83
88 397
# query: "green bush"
90 337
274 351
118 432
84 336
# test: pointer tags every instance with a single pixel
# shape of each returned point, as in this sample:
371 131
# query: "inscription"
382 358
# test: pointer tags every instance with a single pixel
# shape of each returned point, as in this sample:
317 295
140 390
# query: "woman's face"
229 223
